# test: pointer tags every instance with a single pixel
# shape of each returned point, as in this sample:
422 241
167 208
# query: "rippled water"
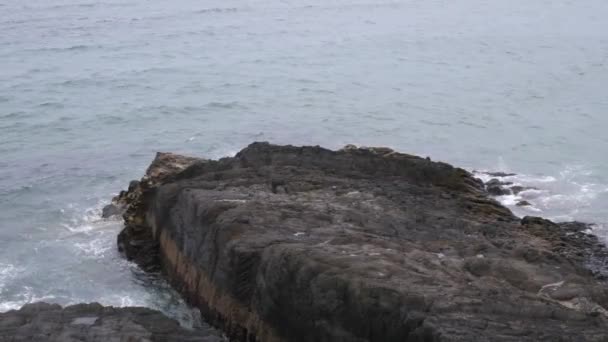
89 90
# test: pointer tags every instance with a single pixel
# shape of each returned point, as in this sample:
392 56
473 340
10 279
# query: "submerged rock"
111 210
498 188
283 243
518 189
500 174
42 322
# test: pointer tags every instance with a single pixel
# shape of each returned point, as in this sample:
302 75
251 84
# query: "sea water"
90 90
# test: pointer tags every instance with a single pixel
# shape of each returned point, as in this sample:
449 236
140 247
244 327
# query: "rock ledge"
284 243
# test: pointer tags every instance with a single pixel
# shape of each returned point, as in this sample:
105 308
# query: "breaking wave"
572 194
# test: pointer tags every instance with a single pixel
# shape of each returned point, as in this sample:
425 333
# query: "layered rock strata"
283 243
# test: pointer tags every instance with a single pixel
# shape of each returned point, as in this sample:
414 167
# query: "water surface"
90 90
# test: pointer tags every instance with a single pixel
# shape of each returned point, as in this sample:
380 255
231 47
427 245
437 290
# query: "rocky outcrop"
42 322
136 240
497 188
283 243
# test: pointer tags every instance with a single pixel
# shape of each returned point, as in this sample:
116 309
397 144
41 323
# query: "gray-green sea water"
90 90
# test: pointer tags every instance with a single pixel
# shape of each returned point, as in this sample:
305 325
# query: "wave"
84 221
569 195
7 271
27 296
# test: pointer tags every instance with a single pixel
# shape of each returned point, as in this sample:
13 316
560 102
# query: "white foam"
26 297
126 301
78 228
600 230
86 220
565 196
95 248
7 271
11 305
229 154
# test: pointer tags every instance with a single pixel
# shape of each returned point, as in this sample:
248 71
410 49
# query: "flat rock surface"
283 243
42 322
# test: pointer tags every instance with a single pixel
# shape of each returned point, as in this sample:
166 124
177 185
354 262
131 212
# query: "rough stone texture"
517 189
136 241
283 243
497 188
42 322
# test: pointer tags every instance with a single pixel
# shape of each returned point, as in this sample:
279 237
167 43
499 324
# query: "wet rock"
500 174
134 184
573 241
349 147
523 204
516 189
112 209
495 181
284 243
497 188
136 240
42 322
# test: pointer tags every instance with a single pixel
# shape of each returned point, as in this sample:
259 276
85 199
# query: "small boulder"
111 210
500 174
496 187
523 204
516 189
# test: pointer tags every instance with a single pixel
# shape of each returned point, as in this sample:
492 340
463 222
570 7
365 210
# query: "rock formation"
283 243
42 322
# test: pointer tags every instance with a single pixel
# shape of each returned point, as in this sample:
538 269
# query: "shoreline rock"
43 322
284 243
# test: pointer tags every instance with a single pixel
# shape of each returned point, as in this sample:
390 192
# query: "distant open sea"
90 90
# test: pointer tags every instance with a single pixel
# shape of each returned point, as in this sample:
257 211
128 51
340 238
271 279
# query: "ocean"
90 90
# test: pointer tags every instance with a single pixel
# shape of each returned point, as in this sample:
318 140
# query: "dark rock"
497 190
495 181
516 189
138 245
523 204
42 322
496 187
283 243
136 240
112 209
571 240
349 147
500 174
134 185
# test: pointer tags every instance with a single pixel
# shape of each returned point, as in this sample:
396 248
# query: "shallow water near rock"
89 91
